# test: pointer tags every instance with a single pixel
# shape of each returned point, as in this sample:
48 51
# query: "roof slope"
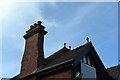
56 55
114 71
65 55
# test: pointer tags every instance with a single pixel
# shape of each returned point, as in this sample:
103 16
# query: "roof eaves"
47 68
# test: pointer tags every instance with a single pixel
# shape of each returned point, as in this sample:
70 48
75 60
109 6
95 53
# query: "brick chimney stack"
33 57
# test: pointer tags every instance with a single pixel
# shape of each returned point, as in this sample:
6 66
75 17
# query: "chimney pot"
35 24
31 27
39 22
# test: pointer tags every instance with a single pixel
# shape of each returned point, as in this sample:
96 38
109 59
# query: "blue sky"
65 22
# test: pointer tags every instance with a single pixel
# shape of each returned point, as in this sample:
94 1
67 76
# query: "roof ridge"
82 45
57 51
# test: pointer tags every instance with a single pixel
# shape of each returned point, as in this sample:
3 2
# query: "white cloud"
16 18
21 13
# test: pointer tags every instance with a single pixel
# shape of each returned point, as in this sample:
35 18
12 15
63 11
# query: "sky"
66 22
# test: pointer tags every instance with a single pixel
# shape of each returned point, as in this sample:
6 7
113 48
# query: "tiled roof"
62 56
114 71
65 54
56 55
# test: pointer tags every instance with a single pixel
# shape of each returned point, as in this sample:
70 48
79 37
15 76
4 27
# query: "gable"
87 59
90 57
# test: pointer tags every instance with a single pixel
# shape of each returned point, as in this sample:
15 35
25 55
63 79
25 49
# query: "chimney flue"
34 49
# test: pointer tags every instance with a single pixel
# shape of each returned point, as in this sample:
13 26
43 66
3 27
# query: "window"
88 60
84 60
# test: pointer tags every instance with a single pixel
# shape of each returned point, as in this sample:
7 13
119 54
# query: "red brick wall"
61 74
30 57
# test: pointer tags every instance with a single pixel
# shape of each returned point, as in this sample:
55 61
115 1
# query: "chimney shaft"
33 57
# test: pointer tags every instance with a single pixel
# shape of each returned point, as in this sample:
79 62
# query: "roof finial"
70 47
64 44
87 39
